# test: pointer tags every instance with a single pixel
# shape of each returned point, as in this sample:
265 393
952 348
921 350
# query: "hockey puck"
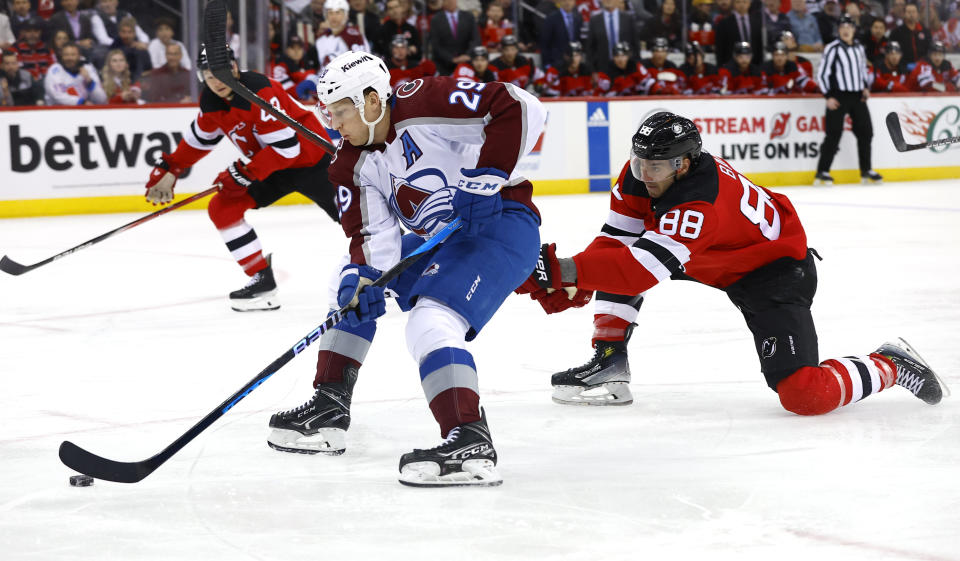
81 481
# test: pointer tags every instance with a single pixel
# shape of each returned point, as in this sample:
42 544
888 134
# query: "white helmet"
336 5
346 77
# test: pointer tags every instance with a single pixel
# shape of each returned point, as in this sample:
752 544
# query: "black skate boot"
259 294
466 457
605 380
319 425
823 178
870 176
913 372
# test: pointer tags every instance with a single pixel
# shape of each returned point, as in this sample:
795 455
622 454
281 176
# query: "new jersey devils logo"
423 201
240 141
781 125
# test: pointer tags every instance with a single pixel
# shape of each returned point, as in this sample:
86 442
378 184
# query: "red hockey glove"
553 301
545 275
235 178
162 179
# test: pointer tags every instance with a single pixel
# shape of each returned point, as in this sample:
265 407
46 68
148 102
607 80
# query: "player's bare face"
337 20
345 119
216 86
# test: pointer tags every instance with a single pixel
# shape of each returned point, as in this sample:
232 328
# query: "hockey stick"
896 135
215 41
99 467
10 266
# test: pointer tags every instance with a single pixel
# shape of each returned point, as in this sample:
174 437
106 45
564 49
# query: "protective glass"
653 170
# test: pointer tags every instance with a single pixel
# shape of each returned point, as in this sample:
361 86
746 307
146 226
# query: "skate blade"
868 181
476 473
263 303
330 442
822 182
901 342
611 393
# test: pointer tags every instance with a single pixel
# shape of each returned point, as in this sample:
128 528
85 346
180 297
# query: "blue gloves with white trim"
477 200
367 302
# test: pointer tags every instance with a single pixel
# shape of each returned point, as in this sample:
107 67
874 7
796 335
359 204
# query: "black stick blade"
896 134
11 267
215 36
97 467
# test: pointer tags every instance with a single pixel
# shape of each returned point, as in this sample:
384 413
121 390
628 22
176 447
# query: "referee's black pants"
850 103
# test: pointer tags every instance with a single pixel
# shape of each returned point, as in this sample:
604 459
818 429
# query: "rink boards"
91 160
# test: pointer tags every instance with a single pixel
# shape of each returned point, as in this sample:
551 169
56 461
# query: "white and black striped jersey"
843 68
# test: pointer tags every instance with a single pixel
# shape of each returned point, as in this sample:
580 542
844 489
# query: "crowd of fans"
85 52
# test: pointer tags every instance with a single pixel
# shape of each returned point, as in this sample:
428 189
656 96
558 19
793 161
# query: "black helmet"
779 47
479 52
694 48
399 41
742 48
204 64
576 48
666 136
938 47
845 19
892 47
660 44
621 48
509 40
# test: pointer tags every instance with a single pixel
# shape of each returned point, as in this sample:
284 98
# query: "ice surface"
124 345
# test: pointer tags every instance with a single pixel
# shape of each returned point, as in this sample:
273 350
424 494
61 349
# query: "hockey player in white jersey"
435 149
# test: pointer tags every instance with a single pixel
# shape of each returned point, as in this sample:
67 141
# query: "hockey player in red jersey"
783 76
279 163
291 67
807 82
889 72
400 70
740 76
478 69
934 73
514 68
574 79
624 76
665 78
699 77
677 212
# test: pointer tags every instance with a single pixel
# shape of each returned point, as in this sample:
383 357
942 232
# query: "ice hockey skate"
913 372
259 294
871 177
465 458
823 178
604 380
320 425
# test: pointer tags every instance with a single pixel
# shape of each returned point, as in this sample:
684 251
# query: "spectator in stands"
35 57
164 30
607 28
336 35
19 87
364 17
77 25
623 77
828 20
60 38
723 9
889 72
952 27
7 37
808 83
402 70
574 78
782 75
913 37
664 76
740 75
876 39
71 82
425 17
774 21
478 69
512 67
561 28
396 24
311 16
701 24
495 27
117 85
740 26
138 57
105 23
20 14
169 83
894 17
805 28
453 33
699 77
863 21
934 73
666 23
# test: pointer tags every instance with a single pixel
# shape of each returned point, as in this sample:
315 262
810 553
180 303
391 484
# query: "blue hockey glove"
477 200
367 302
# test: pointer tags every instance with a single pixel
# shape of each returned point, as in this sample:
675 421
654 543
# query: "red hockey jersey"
735 81
619 81
400 75
713 225
665 80
269 144
570 84
521 73
700 82
886 79
783 81
928 78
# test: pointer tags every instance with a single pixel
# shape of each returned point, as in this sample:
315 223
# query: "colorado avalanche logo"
423 201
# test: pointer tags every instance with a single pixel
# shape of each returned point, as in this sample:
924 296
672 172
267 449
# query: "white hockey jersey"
438 127
63 88
329 45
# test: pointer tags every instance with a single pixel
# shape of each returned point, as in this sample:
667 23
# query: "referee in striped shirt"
842 77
